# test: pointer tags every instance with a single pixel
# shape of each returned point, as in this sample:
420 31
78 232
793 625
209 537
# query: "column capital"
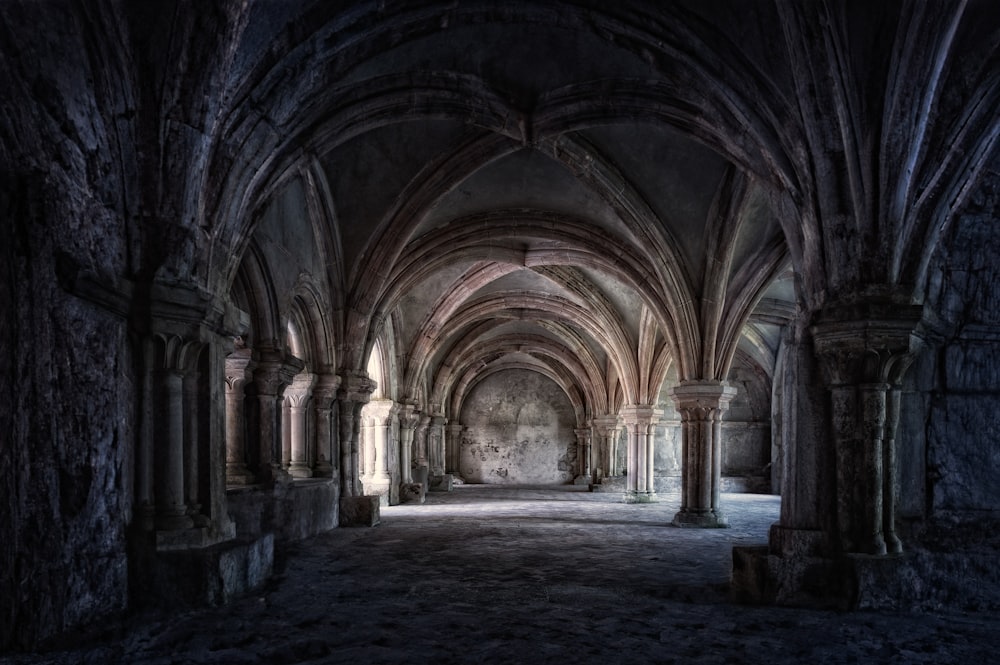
275 370
606 422
325 388
300 389
583 434
708 395
381 411
239 368
640 414
355 387
408 416
853 349
438 419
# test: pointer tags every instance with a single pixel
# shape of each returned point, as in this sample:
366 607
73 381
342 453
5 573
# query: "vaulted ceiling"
512 188
605 194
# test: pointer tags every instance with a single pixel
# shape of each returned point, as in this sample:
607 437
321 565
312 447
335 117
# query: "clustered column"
378 480
701 405
435 445
325 451
583 456
239 366
407 423
863 365
605 432
295 448
274 371
355 390
639 420
453 449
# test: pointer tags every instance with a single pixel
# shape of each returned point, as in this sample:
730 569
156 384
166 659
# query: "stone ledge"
360 511
206 576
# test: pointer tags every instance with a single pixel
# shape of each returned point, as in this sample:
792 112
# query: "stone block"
359 511
442 483
412 493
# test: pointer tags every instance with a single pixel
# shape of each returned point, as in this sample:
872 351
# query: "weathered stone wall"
962 422
519 431
66 377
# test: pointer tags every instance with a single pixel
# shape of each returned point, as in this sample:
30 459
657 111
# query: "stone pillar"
701 405
420 439
274 371
239 366
407 423
453 448
604 427
863 361
168 414
354 392
181 453
378 480
435 445
614 444
583 453
297 397
324 451
638 421
192 443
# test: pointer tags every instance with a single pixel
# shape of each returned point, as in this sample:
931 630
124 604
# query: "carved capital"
325 390
275 370
877 348
239 367
355 387
381 411
640 417
299 390
702 400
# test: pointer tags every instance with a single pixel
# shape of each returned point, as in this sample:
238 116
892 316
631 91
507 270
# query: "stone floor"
522 575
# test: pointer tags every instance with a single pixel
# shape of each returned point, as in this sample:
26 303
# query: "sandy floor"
488 575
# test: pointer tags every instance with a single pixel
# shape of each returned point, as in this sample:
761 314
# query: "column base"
173 521
582 480
701 520
640 497
297 470
441 483
239 474
378 487
323 470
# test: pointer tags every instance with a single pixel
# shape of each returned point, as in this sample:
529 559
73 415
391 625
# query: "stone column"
614 444
407 422
435 444
171 510
638 420
453 448
297 397
583 453
274 372
604 427
420 439
701 405
863 361
378 480
239 366
354 392
192 443
323 450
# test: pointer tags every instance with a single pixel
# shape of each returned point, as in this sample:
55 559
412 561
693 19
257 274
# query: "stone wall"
962 402
66 391
519 431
